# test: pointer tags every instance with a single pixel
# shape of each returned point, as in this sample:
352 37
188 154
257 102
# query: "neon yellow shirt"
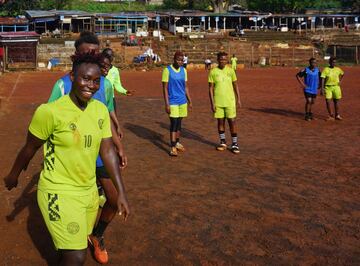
114 77
332 75
222 79
73 138
166 73
233 62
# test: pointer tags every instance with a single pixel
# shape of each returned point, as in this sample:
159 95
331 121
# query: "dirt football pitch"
291 197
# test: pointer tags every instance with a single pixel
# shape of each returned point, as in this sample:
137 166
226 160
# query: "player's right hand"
123 206
10 182
167 109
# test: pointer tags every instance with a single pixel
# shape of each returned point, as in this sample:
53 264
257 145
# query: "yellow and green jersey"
73 138
223 79
332 75
114 77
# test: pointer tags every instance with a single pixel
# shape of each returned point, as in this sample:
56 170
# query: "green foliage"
53 4
292 5
17 7
108 7
172 4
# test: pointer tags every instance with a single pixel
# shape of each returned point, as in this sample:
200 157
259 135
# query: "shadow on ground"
145 133
189 134
276 111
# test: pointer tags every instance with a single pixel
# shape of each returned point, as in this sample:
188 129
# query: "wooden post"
6 59
334 52
252 56
357 54
36 55
270 56
293 55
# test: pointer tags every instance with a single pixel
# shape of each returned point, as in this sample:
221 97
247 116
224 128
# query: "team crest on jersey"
73 228
101 123
72 126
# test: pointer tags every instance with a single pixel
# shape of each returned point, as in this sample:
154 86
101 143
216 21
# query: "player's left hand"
190 106
123 206
119 132
239 103
123 161
129 93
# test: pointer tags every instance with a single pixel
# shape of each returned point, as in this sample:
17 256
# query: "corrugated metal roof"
33 14
13 21
131 15
73 13
39 14
29 35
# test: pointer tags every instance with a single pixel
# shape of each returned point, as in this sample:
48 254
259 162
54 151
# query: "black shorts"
309 95
101 172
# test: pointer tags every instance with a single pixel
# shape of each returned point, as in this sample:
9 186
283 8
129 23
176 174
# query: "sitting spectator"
207 64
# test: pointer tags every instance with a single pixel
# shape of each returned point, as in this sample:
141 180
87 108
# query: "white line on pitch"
14 88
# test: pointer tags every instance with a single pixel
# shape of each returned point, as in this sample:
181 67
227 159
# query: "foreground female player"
74 130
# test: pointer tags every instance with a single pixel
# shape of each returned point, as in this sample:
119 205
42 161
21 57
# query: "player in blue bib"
310 81
176 97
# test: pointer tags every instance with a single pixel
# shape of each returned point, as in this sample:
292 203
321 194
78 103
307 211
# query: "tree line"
17 7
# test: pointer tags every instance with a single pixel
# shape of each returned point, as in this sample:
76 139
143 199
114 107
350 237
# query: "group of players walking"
82 139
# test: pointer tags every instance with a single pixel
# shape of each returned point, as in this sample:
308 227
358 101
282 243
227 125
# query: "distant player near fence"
73 129
332 77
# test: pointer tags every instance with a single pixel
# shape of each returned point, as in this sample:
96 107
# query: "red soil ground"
290 198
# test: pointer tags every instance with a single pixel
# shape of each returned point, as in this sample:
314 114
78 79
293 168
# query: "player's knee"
79 258
73 257
231 121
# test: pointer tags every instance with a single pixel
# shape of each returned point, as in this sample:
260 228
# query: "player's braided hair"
86 37
87 58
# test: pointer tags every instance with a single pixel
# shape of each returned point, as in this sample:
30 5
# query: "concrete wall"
60 51
248 53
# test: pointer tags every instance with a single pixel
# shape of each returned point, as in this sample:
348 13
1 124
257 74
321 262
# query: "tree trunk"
191 4
220 6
